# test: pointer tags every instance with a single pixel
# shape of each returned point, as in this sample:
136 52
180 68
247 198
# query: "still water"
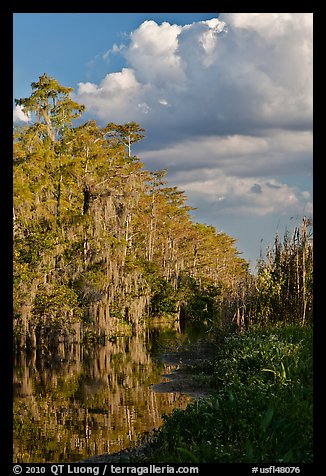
86 401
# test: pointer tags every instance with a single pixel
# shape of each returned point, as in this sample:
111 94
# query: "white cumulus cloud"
19 115
226 103
232 195
238 72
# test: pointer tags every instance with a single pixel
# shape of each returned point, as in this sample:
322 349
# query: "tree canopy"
93 228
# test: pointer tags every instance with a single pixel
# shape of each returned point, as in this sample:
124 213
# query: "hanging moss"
92 226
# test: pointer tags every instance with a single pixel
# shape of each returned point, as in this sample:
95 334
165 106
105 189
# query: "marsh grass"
261 411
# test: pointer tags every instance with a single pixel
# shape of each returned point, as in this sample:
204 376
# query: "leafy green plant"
252 417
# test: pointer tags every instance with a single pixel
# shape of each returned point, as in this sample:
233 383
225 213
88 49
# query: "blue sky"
226 101
66 45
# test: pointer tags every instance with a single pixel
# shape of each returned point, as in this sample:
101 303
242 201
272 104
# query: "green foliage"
125 134
283 289
285 280
30 249
89 219
200 302
56 308
92 226
50 103
163 300
254 416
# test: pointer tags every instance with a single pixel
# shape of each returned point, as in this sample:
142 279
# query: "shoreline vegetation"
256 406
261 411
101 245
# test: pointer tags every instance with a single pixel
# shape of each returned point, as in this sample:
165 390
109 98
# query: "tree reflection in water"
83 401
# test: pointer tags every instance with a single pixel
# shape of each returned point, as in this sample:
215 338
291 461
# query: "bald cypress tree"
99 237
50 106
51 110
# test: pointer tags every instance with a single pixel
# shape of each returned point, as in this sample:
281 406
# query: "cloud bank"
226 103
247 71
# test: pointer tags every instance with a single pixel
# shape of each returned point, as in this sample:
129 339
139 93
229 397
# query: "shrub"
262 409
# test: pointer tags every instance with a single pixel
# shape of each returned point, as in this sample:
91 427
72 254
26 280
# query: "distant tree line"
100 241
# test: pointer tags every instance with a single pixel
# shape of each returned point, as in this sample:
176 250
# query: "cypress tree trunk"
87 199
58 199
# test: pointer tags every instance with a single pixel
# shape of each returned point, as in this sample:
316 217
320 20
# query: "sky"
225 99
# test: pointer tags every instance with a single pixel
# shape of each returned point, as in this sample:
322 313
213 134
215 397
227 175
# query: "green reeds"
290 269
283 288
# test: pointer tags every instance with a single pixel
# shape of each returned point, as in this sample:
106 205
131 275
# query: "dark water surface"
85 401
